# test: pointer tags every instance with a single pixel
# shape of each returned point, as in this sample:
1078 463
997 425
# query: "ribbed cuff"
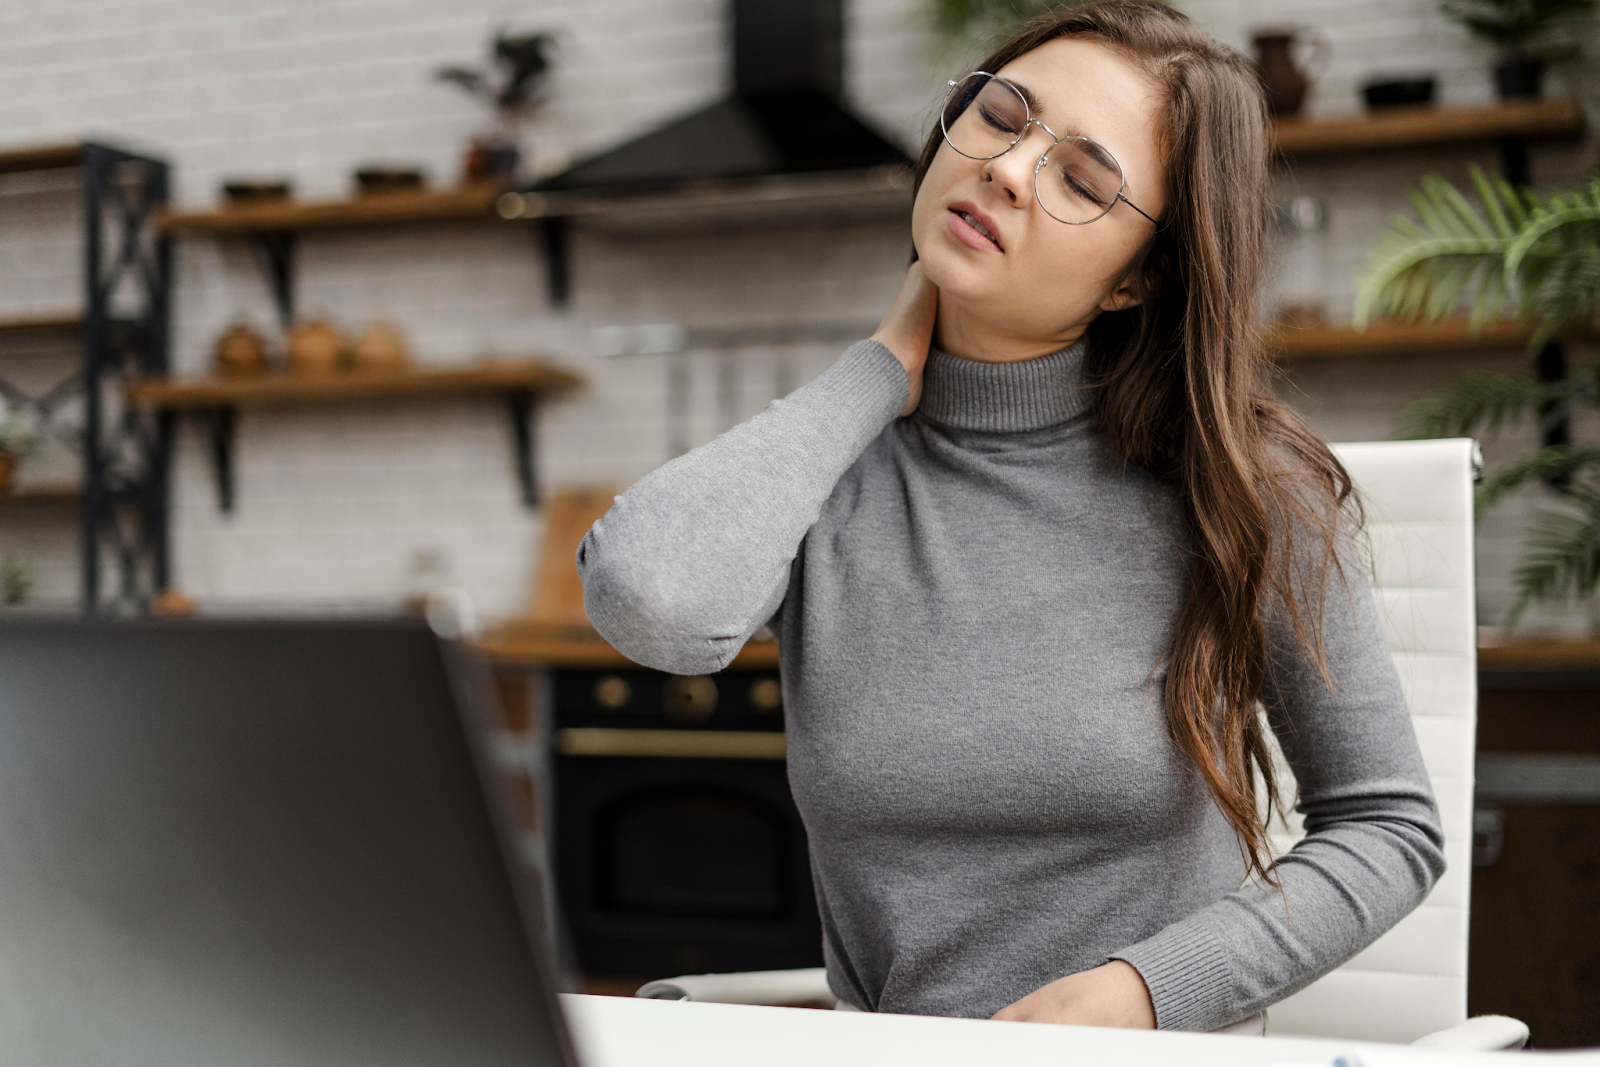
1189 976
867 379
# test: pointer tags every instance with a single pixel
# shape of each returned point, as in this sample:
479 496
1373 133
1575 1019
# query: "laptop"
257 843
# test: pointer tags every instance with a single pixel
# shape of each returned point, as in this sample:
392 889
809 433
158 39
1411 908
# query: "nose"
1013 171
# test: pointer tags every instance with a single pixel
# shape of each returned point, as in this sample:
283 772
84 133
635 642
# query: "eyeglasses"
1076 181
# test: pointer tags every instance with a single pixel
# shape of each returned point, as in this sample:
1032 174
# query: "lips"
975 228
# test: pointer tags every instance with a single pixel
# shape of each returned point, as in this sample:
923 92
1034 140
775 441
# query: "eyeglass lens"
984 117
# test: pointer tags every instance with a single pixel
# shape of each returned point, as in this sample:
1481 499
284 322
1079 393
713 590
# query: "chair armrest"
1486 1033
807 986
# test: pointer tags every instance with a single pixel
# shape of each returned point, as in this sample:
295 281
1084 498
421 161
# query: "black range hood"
784 116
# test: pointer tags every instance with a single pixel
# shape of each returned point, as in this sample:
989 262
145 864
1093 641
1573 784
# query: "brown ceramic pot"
314 348
240 353
379 350
1285 83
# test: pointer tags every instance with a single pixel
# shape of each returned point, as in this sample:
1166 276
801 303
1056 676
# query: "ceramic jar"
314 348
379 350
239 353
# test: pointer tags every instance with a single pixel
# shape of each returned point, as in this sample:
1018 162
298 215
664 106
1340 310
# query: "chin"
954 271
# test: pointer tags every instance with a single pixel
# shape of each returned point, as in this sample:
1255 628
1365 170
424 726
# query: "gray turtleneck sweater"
971 604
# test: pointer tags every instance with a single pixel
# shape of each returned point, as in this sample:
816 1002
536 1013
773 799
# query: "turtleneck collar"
1005 397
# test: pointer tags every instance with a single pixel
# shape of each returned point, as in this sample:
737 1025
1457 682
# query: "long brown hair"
1183 389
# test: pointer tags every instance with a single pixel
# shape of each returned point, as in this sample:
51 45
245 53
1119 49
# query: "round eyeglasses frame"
1045 156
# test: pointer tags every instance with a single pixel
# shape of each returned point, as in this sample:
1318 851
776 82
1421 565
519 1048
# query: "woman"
1038 554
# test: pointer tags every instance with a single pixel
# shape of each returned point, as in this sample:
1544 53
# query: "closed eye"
1082 190
998 119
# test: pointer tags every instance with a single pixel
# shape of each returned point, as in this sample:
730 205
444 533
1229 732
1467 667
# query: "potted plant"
511 84
17 439
958 25
16 581
1527 33
1533 257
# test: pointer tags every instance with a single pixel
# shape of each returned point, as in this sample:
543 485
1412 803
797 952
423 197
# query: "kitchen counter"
527 643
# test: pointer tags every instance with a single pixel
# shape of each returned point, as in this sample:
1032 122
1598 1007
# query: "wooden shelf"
1412 127
217 401
41 321
1394 339
422 206
178 394
40 157
42 496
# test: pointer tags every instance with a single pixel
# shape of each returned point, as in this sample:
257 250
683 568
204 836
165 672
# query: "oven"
677 845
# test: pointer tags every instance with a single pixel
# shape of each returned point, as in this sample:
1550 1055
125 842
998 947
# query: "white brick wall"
334 503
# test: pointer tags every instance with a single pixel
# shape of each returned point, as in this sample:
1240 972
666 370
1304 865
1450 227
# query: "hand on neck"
966 336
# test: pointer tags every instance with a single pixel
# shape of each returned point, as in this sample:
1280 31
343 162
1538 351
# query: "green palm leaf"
1543 464
1423 268
1562 554
1478 401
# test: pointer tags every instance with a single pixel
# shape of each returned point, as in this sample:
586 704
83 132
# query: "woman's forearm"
1374 845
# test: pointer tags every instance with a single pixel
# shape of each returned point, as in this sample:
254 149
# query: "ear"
1122 297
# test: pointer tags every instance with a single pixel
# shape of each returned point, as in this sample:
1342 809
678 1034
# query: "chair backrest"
1418 498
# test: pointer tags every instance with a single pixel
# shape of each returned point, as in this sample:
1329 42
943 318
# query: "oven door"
674 864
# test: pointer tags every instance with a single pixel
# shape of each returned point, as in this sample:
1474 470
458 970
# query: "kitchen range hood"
781 149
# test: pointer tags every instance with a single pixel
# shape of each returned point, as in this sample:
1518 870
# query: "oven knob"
612 692
766 694
690 700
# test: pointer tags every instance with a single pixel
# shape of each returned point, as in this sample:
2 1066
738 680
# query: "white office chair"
1410 986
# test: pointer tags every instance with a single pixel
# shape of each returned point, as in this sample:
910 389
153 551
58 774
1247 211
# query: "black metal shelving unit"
124 334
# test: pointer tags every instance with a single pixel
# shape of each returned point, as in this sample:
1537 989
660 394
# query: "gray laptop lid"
253 843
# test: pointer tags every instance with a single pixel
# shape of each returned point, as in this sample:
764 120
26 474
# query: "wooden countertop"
555 631
1540 654
524 642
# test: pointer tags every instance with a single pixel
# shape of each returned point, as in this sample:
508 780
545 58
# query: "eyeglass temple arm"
1136 207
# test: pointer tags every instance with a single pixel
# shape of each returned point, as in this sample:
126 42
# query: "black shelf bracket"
277 248
220 426
1551 363
523 407
1514 159
555 237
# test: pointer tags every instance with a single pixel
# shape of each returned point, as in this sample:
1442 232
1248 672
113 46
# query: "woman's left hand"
1113 994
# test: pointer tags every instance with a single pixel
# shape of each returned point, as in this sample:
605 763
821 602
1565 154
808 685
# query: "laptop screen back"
252 843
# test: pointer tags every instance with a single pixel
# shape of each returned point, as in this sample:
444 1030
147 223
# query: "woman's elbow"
642 617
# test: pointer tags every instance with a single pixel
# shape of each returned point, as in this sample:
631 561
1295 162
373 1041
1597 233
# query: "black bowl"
242 191
1399 92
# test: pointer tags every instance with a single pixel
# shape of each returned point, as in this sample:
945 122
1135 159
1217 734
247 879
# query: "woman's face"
1040 279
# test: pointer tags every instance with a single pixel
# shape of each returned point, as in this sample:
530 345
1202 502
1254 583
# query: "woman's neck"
966 337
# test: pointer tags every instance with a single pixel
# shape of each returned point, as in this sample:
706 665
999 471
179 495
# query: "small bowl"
1400 92
370 180
241 193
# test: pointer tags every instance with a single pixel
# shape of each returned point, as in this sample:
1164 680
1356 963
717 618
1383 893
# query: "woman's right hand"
907 330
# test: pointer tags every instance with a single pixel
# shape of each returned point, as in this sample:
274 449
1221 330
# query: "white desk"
624 1032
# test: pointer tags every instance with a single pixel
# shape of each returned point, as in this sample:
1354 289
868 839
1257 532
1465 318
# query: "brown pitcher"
1285 84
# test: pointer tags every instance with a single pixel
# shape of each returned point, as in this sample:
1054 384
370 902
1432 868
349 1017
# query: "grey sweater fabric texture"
971 604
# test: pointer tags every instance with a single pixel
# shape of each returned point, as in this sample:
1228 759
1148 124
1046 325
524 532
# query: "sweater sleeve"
1374 845
695 557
